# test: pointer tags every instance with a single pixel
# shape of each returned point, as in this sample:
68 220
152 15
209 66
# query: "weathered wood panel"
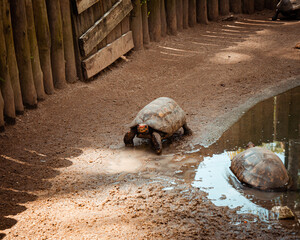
104 26
83 5
81 23
107 55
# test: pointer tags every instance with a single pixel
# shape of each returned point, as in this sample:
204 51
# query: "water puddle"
273 124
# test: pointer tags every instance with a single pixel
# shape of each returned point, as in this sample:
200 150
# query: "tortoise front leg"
129 136
276 15
187 130
156 140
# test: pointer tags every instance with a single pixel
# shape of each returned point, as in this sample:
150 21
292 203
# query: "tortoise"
288 8
260 168
158 120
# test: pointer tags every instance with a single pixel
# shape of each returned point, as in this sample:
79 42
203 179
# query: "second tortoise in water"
158 120
260 168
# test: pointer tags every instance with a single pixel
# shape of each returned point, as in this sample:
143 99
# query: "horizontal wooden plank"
90 39
83 5
107 55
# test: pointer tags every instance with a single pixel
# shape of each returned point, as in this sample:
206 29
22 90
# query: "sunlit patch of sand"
230 58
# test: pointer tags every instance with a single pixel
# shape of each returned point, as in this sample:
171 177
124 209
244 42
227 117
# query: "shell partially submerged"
260 168
162 114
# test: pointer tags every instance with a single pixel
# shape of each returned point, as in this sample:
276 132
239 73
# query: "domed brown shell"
162 114
288 5
260 168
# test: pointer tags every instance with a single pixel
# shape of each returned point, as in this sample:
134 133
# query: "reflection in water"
274 124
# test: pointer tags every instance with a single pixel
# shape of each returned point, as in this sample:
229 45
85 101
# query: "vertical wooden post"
192 13
248 6
224 7
213 10
163 18
35 58
236 6
179 13
146 36
57 44
11 58
1 113
19 23
71 74
293 162
171 16
155 20
201 11
136 25
44 42
185 8
271 4
274 4
5 84
259 5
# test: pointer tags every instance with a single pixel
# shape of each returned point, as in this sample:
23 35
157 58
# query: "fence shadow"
22 172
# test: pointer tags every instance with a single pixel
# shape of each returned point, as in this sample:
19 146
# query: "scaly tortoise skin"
288 8
260 168
162 118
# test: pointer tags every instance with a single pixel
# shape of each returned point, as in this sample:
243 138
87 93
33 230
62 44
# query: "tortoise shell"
162 114
288 5
260 168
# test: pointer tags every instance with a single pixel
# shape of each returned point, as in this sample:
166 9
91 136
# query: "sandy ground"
64 170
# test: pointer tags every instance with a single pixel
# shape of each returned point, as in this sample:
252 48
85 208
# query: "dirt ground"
64 170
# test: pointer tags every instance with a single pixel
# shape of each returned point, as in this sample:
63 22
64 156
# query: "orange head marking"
143 128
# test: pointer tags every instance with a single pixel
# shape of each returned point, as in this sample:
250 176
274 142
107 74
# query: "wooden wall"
171 16
101 32
47 44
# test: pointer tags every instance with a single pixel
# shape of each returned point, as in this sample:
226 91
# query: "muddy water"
273 124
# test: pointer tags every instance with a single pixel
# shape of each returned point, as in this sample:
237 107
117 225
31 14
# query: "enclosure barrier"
45 44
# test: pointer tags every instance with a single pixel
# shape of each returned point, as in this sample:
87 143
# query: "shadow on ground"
23 171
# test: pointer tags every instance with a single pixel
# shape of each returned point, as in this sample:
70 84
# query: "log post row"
201 11
136 24
224 7
5 83
185 12
44 42
236 6
155 20
248 6
163 18
213 10
57 43
35 59
259 5
171 16
71 73
192 13
145 24
11 58
179 15
22 48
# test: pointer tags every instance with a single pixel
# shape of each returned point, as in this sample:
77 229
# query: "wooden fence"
46 44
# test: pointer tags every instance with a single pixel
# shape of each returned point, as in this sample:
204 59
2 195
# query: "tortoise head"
143 128
250 145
